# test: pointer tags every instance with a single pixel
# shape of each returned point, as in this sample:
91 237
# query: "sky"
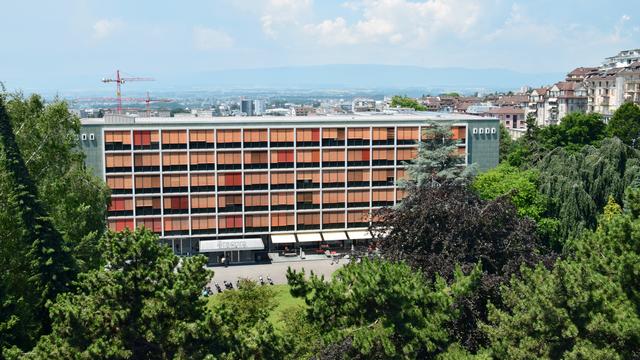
68 44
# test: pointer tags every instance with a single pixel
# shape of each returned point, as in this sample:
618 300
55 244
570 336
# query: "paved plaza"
277 270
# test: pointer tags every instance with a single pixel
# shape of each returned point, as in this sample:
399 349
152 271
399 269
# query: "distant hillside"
371 76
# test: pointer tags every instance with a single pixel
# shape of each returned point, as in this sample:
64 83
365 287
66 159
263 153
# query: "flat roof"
418 116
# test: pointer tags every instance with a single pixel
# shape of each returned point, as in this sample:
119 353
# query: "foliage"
239 324
300 337
521 186
625 124
381 309
144 303
437 161
437 229
575 131
76 200
578 185
35 265
585 308
407 102
506 143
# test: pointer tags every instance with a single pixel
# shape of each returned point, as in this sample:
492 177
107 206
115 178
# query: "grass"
285 302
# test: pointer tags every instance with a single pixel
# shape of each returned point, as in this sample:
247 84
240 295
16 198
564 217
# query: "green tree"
506 143
142 303
625 124
75 199
437 161
407 102
35 266
239 323
378 309
585 308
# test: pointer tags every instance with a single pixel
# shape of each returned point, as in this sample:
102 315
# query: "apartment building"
242 187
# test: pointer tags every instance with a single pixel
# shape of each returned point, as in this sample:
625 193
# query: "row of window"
279 159
260 138
206 182
249 223
199 204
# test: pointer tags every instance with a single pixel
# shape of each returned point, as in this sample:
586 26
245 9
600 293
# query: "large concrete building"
242 187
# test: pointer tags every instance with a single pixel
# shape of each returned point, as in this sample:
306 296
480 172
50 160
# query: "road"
277 271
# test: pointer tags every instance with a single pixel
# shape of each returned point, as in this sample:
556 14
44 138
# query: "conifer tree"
40 258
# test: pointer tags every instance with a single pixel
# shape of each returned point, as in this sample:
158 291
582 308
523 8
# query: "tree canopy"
625 124
407 102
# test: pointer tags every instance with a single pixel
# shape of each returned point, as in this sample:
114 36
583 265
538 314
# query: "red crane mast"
121 80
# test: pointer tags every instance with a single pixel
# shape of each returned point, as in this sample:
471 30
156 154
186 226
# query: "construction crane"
147 100
121 80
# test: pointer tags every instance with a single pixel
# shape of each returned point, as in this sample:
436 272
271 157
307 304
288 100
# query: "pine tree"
43 261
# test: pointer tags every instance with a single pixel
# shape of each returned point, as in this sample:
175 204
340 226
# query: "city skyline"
74 43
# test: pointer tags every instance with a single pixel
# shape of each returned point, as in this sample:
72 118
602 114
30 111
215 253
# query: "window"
256 223
175 183
358 157
120 224
333 137
229 203
146 162
256 159
282 201
115 163
146 140
358 218
148 206
333 220
174 162
256 202
281 159
229 138
176 226
202 161
230 182
406 155
307 221
282 222
308 158
174 139
176 205
120 184
382 177
383 157
358 136
120 207
308 200
308 179
115 140
282 138
256 138
203 225
256 181
230 224
333 199
229 160
358 178
308 137
153 224
201 139
282 180
203 204
203 182
358 198
384 136
333 179
147 184
382 197
407 135
333 158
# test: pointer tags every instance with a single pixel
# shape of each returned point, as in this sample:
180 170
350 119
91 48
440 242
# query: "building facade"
242 187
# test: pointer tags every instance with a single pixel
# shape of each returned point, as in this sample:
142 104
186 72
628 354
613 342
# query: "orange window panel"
333 196
358 133
282 135
203 223
407 154
407 134
280 219
256 178
282 199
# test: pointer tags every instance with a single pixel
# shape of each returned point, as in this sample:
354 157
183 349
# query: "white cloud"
207 39
618 29
394 21
104 28
277 16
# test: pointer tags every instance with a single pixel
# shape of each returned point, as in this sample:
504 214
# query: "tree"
585 308
76 200
378 309
438 161
239 324
574 132
407 102
625 124
436 229
578 184
143 303
36 266
506 143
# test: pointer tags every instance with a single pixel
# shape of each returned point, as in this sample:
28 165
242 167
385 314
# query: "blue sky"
72 43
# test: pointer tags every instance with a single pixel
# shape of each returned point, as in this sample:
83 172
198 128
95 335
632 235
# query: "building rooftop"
279 120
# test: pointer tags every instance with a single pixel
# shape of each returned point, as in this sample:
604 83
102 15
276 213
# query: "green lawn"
283 299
